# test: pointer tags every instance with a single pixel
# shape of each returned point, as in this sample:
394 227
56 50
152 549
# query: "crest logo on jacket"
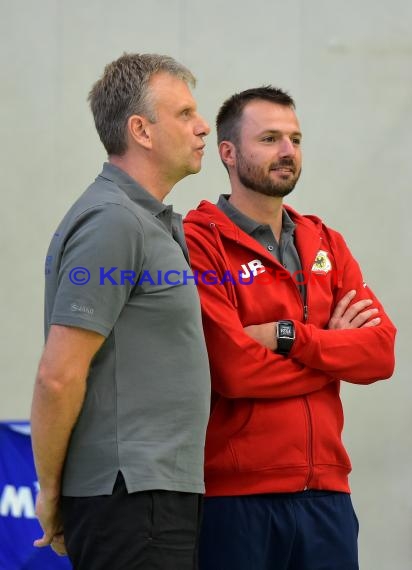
252 268
322 263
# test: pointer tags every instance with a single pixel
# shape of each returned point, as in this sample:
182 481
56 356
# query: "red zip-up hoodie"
276 421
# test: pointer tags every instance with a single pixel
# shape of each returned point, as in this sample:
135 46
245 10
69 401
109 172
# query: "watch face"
285 337
285 330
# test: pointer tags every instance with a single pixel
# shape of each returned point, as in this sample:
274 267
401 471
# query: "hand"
58 544
354 316
263 334
48 513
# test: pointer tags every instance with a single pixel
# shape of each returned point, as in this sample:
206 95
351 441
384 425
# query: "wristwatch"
285 336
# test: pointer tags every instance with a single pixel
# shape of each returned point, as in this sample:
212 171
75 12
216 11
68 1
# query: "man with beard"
290 318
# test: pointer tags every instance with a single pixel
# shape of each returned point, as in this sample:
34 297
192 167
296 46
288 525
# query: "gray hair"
123 91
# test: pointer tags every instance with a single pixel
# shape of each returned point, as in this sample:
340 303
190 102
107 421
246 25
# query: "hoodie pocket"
327 416
275 437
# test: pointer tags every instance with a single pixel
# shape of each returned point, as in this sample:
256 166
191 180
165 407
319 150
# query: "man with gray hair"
121 398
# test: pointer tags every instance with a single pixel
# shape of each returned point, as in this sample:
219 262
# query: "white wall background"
348 65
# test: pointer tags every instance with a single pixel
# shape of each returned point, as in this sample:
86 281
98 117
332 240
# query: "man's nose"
287 147
202 128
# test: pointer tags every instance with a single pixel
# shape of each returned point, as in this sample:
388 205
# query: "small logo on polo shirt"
81 309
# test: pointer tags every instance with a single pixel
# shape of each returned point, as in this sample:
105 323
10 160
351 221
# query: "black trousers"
149 530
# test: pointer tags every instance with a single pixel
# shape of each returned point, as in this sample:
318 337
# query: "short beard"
256 179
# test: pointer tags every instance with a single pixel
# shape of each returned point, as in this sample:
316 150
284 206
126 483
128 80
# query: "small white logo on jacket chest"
253 267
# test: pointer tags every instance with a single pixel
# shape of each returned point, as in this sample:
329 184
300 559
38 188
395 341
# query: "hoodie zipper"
307 407
308 414
306 402
310 443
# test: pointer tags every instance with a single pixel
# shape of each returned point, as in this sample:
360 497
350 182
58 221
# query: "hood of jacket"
207 214
209 219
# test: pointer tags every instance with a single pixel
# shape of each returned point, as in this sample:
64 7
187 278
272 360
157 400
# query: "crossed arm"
357 343
345 316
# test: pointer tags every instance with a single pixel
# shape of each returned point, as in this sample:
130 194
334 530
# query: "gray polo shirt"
285 251
148 390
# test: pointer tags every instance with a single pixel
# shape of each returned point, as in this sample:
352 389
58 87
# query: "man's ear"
227 153
138 128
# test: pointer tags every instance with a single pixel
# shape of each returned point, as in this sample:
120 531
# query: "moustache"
284 163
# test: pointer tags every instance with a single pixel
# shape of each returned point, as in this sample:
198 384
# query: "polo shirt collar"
247 224
135 192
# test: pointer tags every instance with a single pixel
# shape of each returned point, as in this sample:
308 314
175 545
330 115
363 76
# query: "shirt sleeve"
91 288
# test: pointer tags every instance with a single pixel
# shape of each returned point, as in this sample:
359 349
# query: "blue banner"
18 488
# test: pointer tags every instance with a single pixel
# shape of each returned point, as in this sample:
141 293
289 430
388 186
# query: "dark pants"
150 530
312 530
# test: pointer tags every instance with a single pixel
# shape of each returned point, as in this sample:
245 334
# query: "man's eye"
296 141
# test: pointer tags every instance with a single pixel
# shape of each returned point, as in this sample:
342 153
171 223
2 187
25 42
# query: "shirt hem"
150 485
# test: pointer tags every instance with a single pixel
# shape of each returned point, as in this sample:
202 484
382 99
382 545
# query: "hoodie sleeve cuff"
304 347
